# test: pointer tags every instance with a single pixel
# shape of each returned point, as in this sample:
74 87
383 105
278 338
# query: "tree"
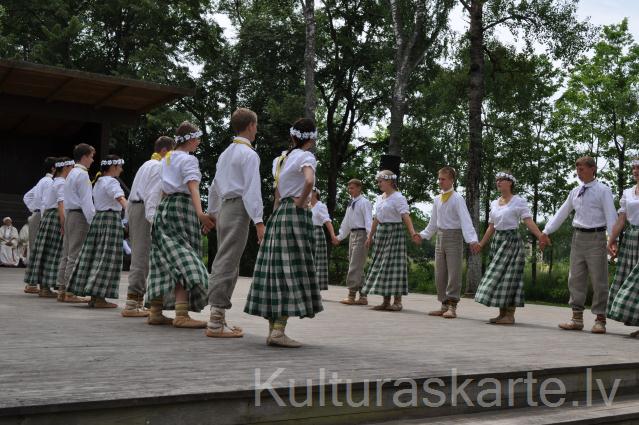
310 103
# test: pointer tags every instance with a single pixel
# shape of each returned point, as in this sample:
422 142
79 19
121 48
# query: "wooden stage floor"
55 354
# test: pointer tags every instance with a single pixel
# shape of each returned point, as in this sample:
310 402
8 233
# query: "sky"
599 12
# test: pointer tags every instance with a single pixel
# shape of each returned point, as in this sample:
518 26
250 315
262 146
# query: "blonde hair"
383 173
356 182
450 171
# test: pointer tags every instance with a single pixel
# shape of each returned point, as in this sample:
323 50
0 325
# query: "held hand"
369 242
544 241
475 248
335 241
612 249
301 203
417 240
213 219
62 231
260 228
207 222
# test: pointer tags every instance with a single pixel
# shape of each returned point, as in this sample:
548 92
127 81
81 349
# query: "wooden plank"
51 97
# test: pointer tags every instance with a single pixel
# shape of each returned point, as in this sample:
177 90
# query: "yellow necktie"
156 156
242 142
446 196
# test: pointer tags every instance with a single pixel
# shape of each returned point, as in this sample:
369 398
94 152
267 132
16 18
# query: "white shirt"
35 198
629 205
78 191
594 208
450 215
237 175
390 209
291 182
359 215
55 194
105 192
320 214
179 168
508 217
147 187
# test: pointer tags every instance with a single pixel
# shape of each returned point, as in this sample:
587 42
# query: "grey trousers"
232 234
588 257
76 228
140 238
357 254
34 225
449 252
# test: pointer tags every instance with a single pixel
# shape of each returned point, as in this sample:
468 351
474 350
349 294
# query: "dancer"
235 198
177 275
321 219
284 282
146 193
388 272
97 271
594 214
356 226
45 254
623 302
503 283
451 221
34 200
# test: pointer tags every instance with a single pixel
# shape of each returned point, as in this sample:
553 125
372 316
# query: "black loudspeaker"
390 162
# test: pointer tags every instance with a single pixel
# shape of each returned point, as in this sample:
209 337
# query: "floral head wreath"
309 135
506 176
635 162
112 162
187 137
383 176
64 164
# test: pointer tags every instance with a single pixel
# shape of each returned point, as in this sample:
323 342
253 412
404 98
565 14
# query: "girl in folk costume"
321 219
284 282
503 285
97 272
178 278
45 254
388 274
623 301
9 244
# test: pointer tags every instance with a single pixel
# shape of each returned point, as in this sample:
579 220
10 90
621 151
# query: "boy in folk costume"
284 278
45 254
594 214
235 199
177 276
97 271
451 221
321 219
34 200
146 193
79 211
356 226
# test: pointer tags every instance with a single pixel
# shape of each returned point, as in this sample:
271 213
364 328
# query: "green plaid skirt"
45 255
284 282
388 271
321 257
623 301
503 284
176 254
97 271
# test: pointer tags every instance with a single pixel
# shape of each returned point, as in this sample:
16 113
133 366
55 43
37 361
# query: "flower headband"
112 162
310 135
635 162
382 176
187 137
64 164
506 176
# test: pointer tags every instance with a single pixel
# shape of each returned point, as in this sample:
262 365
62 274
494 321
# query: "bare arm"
309 180
489 233
194 189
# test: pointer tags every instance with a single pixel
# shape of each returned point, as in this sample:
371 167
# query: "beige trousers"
140 238
588 257
75 232
449 253
357 254
34 225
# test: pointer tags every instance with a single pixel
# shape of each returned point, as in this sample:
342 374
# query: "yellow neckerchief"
168 156
156 156
446 195
82 167
278 167
241 141
97 176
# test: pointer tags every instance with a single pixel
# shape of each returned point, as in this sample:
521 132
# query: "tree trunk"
310 104
535 209
475 99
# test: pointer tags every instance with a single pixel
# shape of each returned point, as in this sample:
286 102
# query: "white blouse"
629 205
105 192
508 217
179 168
56 194
320 214
291 180
390 209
